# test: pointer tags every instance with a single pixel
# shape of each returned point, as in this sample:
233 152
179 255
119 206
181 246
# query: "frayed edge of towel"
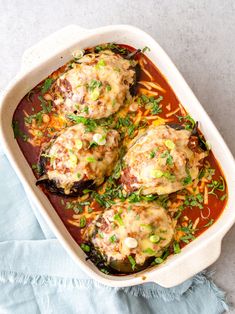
167 295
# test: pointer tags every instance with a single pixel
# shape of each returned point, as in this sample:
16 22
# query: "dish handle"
188 265
47 46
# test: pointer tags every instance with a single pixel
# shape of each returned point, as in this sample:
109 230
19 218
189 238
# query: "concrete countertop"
199 36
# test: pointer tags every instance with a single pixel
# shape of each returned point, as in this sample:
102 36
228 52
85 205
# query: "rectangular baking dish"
51 53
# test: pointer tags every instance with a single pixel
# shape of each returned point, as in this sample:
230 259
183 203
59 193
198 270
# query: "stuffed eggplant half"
96 86
78 159
128 237
163 160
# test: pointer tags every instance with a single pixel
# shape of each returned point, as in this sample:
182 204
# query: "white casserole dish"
50 54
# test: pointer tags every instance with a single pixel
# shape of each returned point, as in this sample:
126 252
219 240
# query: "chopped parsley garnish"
131 130
113 238
194 200
93 85
132 262
46 108
216 185
89 123
126 126
77 207
211 221
187 238
188 179
86 110
189 233
150 103
92 144
108 88
152 154
137 197
169 159
46 85
112 46
176 248
17 132
188 121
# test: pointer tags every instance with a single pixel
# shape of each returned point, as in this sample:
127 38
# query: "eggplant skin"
133 88
114 267
75 190
51 185
71 162
110 233
124 266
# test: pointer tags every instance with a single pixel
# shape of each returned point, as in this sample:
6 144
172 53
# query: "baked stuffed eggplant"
96 85
163 160
78 159
129 236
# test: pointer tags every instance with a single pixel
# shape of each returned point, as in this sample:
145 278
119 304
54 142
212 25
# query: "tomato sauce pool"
31 105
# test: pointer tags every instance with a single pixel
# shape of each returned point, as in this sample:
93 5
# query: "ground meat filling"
77 155
162 161
141 230
96 86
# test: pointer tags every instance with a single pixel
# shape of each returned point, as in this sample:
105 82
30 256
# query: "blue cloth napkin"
37 275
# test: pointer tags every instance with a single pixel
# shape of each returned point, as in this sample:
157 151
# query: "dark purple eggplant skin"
194 132
76 189
50 185
134 86
114 267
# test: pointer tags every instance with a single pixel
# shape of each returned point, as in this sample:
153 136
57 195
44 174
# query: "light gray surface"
199 36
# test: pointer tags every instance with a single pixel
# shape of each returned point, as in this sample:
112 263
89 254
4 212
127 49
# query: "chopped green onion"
85 247
91 159
158 260
169 144
132 261
82 222
118 218
154 238
156 173
149 251
95 94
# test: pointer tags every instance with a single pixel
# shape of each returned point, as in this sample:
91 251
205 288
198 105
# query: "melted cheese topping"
160 161
146 223
74 156
96 87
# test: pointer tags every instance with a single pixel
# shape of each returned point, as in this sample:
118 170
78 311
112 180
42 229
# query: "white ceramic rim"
52 52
